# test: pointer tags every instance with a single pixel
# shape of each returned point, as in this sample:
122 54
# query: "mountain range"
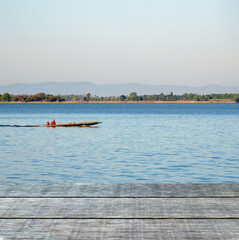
79 88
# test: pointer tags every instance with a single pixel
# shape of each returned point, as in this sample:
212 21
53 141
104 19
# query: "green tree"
237 99
41 96
88 96
83 98
6 97
170 97
15 98
161 97
122 98
133 96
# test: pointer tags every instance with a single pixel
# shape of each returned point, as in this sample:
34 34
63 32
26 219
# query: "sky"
174 42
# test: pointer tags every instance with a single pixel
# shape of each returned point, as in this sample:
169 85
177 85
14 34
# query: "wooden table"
119 211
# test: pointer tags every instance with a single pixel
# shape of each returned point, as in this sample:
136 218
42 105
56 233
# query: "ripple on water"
135 143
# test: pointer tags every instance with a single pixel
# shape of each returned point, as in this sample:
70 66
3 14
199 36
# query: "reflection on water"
135 143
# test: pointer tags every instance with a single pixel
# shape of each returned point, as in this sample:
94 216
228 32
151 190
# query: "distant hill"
110 89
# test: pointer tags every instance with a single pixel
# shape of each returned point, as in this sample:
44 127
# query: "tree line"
133 96
39 97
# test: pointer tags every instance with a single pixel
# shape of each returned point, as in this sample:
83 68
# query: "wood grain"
119 211
119 229
120 190
125 208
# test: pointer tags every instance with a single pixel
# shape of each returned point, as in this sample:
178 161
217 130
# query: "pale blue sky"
181 42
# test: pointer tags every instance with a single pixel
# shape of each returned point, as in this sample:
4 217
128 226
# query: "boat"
73 124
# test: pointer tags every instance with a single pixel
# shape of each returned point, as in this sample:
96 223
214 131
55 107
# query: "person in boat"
47 124
53 122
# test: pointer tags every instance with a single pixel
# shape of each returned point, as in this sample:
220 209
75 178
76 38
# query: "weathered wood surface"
120 190
124 208
119 211
120 229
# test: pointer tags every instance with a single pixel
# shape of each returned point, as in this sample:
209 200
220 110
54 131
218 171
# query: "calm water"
135 143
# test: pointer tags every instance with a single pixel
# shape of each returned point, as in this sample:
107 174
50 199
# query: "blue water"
135 143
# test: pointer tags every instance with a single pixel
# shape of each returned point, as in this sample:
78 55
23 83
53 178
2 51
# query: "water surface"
135 143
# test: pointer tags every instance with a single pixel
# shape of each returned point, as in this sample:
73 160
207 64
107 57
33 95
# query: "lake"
144 142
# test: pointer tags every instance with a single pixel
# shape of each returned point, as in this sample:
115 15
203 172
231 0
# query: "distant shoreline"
179 101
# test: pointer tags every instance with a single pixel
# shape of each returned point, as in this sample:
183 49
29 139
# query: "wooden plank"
119 208
120 190
119 229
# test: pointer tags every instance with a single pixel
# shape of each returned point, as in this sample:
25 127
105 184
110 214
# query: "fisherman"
53 122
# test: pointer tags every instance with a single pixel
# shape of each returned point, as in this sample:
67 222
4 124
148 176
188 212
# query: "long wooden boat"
73 124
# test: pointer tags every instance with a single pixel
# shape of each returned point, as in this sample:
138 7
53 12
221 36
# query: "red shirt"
53 122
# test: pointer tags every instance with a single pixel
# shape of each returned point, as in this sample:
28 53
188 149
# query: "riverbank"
179 101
